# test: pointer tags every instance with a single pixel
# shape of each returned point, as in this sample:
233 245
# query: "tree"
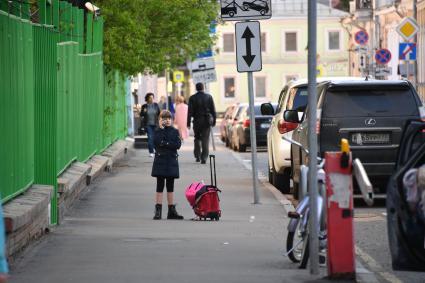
153 35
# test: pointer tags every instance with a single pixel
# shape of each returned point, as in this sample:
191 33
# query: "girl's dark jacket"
167 141
144 114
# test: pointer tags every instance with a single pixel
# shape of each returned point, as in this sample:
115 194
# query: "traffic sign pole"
253 135
312 137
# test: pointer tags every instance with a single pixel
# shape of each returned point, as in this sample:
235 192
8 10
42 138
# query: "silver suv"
294 96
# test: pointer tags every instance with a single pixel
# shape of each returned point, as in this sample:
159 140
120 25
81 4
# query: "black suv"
370 114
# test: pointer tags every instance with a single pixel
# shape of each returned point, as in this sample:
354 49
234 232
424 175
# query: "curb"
362 274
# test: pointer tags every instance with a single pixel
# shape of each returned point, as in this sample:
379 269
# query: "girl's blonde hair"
180 99
165 114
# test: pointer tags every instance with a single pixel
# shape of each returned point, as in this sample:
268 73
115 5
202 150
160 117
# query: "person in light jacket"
180 118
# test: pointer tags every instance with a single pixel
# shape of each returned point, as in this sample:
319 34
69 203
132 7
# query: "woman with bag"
149 119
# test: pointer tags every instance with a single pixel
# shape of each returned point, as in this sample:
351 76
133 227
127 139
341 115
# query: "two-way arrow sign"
248 46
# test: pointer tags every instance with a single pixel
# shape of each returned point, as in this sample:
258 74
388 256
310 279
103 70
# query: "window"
260 86
229 87
228 42
291 41
334 40
263 42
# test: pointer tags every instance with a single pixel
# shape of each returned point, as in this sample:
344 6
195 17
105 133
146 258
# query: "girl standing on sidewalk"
165 165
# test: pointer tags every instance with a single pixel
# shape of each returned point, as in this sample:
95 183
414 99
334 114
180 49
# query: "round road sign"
382 56
361 37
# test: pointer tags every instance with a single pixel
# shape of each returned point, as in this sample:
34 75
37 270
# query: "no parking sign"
382 56
361 37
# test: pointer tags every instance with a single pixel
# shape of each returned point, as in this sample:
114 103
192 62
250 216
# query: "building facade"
284 52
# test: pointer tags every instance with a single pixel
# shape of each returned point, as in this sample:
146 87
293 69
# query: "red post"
339 200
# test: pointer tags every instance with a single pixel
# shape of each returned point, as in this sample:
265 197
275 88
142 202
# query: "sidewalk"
110 235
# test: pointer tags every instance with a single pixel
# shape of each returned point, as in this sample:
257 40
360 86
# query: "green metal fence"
16 105
57 102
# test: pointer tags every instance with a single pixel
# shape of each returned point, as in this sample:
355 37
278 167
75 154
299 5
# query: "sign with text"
203 70
236 10
248 46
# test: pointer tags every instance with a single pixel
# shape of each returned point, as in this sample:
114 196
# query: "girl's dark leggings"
160 181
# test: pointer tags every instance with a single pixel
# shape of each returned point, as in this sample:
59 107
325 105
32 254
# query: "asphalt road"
370 233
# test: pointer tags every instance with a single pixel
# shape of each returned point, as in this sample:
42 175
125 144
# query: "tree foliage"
152 35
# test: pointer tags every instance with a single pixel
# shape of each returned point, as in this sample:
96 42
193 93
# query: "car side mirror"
267 109
291 116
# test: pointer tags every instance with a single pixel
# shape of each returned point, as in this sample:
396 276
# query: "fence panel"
16 106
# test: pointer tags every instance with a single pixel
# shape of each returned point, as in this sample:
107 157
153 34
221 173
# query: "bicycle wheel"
294 238
305 251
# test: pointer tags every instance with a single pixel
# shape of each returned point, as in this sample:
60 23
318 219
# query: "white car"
293 96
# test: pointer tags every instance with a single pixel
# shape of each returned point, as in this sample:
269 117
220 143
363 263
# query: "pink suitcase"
204 198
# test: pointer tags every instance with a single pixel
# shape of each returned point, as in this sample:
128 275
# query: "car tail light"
285 127
246 123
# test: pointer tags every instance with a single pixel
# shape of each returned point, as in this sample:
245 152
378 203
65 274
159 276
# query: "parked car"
241 134
258 5
293 96
370 114
226 118
233 118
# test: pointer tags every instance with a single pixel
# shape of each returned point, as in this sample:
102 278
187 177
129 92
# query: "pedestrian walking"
162 103
180 118
166 165
3 262
149 120
202 109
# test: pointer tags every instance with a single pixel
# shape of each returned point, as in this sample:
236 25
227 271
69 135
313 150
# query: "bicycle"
298 226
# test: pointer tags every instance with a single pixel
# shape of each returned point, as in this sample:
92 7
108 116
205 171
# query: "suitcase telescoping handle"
213 181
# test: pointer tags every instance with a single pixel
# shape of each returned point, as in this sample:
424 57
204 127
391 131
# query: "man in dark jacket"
202 109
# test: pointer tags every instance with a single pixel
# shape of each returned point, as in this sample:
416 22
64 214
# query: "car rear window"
377 103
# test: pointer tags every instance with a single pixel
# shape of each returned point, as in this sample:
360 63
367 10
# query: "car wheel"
263 12
246 7
270 174
231 13
282 181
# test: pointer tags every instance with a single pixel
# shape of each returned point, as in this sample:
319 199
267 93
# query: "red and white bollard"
339 204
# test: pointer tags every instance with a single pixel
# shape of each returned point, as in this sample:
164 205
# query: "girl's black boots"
158 212
172 212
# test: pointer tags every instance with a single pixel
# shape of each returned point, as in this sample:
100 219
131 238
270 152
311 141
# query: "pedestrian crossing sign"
178 76
407 51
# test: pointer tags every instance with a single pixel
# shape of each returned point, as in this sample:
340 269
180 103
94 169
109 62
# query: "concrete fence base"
27 216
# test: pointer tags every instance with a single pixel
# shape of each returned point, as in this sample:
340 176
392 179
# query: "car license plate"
370 138
265 126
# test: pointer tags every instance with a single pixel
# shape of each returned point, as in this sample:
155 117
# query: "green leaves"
152 35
